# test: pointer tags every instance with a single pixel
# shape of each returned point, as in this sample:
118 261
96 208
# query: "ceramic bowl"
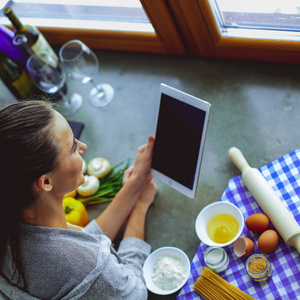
210 211
151 261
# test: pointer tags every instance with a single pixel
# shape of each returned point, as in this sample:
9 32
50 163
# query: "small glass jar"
258 267
216 259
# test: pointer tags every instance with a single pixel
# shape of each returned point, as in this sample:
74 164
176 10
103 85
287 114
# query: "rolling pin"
280 216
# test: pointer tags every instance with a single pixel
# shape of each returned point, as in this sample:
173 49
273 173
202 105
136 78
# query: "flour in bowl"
168 272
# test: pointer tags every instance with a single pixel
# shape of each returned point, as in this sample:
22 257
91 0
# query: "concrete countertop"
254 106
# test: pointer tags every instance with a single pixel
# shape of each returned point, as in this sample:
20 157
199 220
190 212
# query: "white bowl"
210 211
150 263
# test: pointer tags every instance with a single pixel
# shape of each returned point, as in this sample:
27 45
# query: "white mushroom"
98 167
83 166
89 187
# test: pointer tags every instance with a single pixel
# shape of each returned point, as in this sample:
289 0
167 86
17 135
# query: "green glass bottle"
16 78
35 39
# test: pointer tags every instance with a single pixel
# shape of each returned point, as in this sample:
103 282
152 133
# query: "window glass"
258 18
126 15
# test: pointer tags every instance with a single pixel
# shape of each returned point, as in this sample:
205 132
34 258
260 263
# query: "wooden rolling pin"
280 216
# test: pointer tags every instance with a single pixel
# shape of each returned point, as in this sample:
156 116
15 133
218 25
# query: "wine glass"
49 76
82 64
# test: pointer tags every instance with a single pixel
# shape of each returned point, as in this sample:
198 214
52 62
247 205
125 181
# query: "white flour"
168 272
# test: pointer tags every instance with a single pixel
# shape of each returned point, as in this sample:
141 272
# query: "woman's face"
67 176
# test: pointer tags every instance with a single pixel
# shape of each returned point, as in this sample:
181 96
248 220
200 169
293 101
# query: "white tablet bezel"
198 104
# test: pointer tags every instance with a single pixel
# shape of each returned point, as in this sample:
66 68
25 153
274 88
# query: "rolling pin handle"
294 241
238 158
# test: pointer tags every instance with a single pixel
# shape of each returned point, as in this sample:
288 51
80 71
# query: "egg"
243 246
268 241
257 222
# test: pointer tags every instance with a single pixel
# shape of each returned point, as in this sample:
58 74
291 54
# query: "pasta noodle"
212 287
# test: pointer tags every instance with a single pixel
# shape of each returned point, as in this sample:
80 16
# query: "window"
105 24
265 30
266 19
83 14
227 31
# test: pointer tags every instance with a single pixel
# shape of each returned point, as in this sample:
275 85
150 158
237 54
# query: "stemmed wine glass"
49 76
82 64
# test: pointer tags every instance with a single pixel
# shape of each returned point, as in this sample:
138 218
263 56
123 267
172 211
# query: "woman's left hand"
142 166
127 174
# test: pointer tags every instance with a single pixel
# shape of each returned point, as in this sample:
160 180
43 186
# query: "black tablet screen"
177 140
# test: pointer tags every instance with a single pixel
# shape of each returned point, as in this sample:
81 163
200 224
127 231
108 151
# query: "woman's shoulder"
65 249
64 256
73 231
39 239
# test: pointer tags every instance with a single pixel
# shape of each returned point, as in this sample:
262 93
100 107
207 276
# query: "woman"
40 256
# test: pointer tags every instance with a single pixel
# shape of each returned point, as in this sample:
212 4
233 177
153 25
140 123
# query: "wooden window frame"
165 40
201 36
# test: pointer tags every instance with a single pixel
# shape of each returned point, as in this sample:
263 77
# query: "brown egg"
257 222
268 241
243 247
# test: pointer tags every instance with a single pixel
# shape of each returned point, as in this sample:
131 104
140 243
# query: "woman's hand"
136 179
141 170
127 174
142 162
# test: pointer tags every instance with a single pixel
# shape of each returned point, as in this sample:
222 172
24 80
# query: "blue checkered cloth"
283 175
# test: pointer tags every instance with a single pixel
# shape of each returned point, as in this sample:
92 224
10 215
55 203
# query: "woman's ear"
44 183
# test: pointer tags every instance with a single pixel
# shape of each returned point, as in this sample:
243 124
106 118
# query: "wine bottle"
7 47
21 42
16 78
35 39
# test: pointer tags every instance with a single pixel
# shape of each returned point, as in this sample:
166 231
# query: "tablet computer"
181 126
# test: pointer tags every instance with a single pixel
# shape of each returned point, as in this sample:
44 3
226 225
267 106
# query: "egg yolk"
222 228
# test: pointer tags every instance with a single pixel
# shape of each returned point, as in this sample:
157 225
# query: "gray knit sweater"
67 264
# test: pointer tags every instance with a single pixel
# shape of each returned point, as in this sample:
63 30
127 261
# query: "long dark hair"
27 151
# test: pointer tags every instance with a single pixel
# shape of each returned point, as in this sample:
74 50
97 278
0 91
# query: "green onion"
110 185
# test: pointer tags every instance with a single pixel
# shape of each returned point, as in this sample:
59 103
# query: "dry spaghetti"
212 287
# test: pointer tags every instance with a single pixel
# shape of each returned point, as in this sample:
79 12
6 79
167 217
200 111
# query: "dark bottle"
7 47
35 39
20 42
16 78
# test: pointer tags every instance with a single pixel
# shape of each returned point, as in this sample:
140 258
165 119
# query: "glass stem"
64 98
100 91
